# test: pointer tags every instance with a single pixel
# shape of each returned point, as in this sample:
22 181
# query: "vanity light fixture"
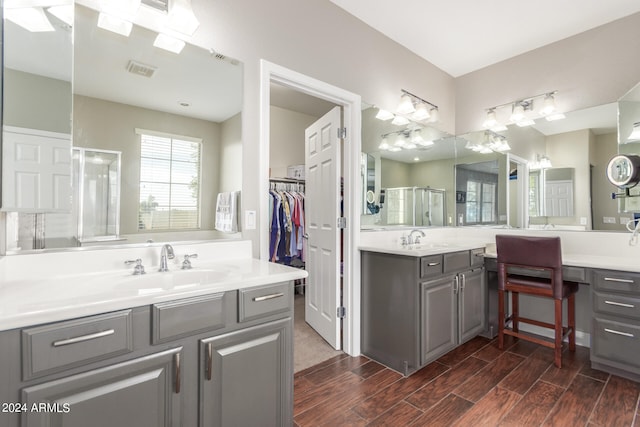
169 43
635 133
384 115
522 112
491 142
181 17
417 108
384 145
541 162
32 19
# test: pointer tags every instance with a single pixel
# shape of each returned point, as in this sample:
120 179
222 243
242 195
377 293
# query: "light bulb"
400 121
517 113
490 121
384 115
421 113
384 145
548 105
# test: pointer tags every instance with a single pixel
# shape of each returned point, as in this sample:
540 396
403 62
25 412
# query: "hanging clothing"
286 209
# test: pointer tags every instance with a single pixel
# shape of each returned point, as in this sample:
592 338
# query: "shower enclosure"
96 202
413 206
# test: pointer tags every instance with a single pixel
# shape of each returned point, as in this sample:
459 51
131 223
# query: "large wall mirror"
172 119
629 144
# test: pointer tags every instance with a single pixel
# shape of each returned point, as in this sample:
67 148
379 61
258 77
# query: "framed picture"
461 197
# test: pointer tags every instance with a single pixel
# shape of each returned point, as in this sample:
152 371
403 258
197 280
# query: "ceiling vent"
141 69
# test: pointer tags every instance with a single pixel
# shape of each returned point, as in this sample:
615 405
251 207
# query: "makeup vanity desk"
612 315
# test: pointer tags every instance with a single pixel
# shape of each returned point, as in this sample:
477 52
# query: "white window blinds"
169 183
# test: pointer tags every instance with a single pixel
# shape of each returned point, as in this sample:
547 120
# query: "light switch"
250 220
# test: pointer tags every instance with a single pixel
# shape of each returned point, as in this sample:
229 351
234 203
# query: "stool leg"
515 311
571 314
558 333
500 319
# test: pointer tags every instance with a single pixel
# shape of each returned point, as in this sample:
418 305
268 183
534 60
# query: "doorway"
350 103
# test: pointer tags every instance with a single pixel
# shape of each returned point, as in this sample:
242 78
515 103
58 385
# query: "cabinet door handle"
613 279
432 264
456 284
613 331
463 283
176 361
209 361
620 304
268 297
84 338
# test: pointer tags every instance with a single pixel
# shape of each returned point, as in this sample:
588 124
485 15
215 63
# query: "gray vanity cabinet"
615 332
244 379
144 392
453 311
415 309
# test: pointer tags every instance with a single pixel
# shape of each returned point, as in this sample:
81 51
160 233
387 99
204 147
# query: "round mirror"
624 170
370 196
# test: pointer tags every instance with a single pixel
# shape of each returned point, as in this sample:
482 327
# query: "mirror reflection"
174 117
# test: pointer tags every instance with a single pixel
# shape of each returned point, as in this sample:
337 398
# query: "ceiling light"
421 112
548 105
63 13
406 105
114 24
417 137
490 121
400 121
31 19
635 133
517 113
416 159
384 115
181 17
169 43
556 116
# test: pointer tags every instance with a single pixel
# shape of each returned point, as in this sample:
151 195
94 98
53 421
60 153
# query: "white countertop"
425 249
26 302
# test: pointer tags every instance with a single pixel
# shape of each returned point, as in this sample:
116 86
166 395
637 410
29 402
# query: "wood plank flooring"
474 385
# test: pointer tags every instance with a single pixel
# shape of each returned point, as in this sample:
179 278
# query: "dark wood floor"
475 384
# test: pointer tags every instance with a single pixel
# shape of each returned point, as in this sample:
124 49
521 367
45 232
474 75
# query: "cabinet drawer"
617 342
477 257
59 346
188 316
456 261
618 305
430 266
616 281
265 300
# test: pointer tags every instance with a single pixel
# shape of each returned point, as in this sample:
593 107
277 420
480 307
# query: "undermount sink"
432 245
173 279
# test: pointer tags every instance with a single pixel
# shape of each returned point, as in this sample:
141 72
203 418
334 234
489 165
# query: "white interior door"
322 209
38 179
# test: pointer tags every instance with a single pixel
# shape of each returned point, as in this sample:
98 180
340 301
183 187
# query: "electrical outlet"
609 220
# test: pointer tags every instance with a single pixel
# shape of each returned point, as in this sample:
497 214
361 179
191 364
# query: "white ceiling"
461 36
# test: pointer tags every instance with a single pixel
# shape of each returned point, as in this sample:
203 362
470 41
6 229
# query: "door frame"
351 103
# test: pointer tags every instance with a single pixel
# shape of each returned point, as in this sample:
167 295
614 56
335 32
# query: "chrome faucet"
165 253
410 238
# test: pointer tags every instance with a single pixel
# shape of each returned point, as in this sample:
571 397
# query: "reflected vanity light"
169 43
491 120
32 19
114 24
400 121
541 162
635 133
384 115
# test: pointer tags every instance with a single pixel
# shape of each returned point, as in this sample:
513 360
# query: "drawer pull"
209 361
613 331
84 338
268 297
613 279
620 304
432 264
176 360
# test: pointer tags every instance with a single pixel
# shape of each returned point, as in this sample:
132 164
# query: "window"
481 202
169 182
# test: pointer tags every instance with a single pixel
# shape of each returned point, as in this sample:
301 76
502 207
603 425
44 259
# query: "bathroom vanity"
212 351
419 303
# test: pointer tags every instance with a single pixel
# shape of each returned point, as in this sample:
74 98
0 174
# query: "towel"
227 212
